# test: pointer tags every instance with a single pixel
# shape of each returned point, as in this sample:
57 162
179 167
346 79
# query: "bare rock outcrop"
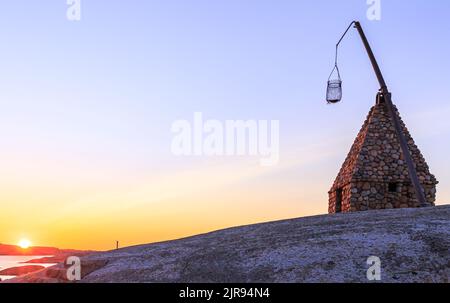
412 244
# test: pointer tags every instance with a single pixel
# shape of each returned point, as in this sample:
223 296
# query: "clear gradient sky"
86 110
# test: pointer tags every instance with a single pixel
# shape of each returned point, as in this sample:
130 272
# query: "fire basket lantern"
334 87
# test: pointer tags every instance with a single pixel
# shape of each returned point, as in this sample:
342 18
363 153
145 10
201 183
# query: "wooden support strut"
395 118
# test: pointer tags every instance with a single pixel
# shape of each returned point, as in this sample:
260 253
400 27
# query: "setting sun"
24 243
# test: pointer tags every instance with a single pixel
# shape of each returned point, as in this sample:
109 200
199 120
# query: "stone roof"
376 155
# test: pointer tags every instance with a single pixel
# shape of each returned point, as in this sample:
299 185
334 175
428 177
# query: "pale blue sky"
97 97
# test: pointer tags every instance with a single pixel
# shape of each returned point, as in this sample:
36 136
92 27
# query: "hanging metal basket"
334 87
334 91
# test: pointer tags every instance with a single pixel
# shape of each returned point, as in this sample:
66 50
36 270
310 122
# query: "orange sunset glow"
95 215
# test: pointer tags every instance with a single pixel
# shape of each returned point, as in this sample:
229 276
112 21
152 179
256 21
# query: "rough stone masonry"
374 174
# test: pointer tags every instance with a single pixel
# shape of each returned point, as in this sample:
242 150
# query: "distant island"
20 270
14 250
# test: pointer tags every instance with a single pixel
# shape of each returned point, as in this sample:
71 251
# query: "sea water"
15 261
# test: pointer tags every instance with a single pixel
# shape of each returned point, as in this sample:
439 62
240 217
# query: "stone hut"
374 174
